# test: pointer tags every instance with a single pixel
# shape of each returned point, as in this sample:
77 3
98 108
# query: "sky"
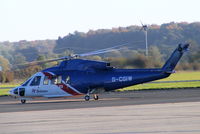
48 19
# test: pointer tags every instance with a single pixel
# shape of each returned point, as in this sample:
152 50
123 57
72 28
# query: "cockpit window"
15 91
36 81
26 82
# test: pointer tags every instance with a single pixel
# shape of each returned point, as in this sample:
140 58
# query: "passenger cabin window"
59 79
68 80
46 80
56 80
36 81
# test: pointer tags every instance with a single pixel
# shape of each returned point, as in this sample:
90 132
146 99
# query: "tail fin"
175 57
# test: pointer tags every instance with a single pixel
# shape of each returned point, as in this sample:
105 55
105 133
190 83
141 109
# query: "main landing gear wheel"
23 101
87 98
96 97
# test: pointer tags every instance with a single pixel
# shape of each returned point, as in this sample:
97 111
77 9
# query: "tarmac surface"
138 112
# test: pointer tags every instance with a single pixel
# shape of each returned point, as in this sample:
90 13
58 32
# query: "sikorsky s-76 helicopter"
74 76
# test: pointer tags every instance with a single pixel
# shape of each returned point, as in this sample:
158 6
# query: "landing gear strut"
96 97
23 101
87 96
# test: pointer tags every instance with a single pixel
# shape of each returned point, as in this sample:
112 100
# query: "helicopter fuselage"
72 83
84 77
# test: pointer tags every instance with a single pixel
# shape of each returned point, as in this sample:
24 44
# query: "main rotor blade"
100 52
106 50
38 62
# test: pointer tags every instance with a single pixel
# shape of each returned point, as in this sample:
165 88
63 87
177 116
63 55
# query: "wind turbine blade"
141 23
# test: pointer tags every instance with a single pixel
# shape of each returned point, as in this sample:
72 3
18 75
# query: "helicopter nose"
13 92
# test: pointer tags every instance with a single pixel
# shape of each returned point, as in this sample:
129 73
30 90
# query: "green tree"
4 63
141 61
42 58
155 56
19 59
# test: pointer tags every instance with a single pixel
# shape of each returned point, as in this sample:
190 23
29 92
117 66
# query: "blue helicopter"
75 76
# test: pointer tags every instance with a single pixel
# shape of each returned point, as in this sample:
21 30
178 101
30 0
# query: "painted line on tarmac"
17 101
175 81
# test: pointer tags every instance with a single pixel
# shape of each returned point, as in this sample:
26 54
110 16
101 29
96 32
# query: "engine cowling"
80 64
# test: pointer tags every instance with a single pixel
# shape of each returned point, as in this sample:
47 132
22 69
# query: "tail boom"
175 57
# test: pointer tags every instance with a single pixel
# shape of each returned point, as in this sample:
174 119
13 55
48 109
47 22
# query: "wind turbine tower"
145 28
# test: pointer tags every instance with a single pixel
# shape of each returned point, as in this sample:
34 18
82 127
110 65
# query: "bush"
6 77
9 76
2 77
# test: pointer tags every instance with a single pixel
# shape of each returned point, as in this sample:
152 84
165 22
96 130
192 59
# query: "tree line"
162 39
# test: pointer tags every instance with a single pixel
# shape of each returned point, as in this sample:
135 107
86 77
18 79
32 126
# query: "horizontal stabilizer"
170 72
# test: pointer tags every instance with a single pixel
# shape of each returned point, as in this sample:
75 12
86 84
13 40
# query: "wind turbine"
145 28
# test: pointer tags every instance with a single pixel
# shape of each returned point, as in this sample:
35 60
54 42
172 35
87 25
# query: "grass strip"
179 76
163 86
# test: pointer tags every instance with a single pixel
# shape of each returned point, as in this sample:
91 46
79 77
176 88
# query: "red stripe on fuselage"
62 85
48 75
67 89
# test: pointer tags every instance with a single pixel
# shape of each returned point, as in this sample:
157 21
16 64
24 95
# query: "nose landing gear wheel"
87 98
23 101
96 97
